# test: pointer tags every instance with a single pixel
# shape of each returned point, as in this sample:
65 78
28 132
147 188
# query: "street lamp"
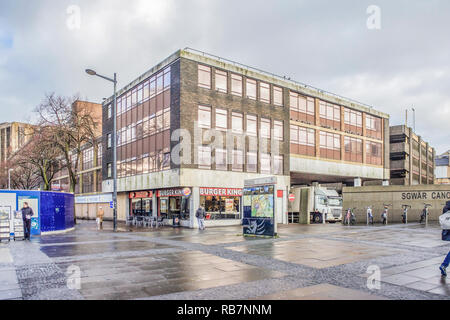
114 142
9 178
414 119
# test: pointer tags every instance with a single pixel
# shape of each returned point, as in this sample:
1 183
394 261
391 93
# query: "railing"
240 65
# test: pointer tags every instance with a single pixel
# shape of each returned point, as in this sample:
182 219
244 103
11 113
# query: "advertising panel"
259 210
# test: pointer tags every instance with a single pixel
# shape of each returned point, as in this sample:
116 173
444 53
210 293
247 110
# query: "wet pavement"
304 262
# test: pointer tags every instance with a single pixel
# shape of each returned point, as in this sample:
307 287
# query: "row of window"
149 126
303 142
303 109
253 89
220 160
140 165
147 89
237 123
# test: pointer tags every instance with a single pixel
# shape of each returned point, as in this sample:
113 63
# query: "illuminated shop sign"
220 192
141 194
178 192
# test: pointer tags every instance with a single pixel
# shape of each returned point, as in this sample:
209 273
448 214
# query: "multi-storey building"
442 171
232 123
412 159
13 136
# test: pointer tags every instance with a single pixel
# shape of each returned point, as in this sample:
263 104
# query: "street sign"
111 204
292 197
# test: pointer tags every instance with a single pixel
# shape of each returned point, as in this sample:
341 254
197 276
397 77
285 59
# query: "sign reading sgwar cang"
430 195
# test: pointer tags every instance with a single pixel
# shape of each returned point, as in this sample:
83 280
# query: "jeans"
446 262
201 223
27 228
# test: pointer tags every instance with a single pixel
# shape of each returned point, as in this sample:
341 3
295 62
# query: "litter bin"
176 221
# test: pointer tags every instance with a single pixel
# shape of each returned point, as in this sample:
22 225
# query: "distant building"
13 136
412 159
442 172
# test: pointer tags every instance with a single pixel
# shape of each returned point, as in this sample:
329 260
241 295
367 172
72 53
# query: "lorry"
315 205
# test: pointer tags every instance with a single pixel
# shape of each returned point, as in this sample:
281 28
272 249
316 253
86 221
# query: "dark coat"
27 211
447 207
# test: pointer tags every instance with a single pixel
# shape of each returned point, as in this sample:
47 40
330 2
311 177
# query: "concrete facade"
412 159
415 196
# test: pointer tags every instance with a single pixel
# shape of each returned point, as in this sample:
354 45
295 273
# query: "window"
204 77
236 85
265 128
264 92
221 159
252 125
146 90
204 117
88 158
265 163
303 141
252 162
330 145
167 78
204 157
237 122
278 129
374 153
353 121
221 119
330 115
109 170
109 141
221 81
353 149
278 165
302 108
373 126
109 111
159 83
277 96
238 160
251 89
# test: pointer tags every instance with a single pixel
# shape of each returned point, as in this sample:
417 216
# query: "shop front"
141 203
221 203
174 202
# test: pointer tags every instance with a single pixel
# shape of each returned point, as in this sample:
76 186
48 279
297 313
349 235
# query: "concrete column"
195 203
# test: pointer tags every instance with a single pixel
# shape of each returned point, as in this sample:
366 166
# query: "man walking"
200 214
444 220
27 213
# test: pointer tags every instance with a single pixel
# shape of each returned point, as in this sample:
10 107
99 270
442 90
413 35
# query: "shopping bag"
444 221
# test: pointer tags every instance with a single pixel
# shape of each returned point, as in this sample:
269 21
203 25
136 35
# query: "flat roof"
229 65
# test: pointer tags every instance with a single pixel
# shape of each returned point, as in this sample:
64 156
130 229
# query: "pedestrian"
99 219
370 215
27 213
384 216
200 214
444 220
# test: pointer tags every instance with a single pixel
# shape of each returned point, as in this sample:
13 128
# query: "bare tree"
69 127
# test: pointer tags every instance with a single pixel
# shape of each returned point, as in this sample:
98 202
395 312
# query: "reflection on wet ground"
304 262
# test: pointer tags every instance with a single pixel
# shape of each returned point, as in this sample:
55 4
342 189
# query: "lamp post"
9 178
114 141
414 119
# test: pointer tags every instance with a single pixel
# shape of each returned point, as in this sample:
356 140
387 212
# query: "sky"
393 55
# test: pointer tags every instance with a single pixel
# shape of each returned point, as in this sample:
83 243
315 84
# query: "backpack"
444 221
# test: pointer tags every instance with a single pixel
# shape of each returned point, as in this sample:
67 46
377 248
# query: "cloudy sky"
45 47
